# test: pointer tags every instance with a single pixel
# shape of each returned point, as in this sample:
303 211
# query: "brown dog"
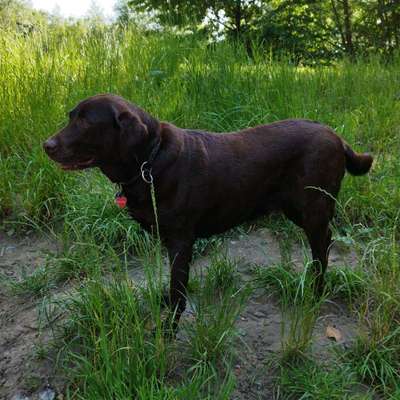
206 183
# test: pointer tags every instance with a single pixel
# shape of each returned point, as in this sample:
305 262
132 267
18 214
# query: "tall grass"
181 79
113 342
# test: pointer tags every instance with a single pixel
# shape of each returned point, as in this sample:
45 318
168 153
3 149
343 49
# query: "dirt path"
259 324
20 334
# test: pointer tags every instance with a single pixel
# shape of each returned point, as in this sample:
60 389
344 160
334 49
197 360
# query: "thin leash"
146 175
149 179
121 201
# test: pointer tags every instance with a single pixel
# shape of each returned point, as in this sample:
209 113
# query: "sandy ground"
259 325
20 333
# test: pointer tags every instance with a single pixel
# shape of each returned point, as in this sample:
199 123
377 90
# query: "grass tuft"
216 307
307 379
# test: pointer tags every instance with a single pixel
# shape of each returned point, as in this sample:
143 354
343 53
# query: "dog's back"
230 178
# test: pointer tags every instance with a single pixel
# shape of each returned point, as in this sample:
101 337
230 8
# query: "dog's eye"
71 114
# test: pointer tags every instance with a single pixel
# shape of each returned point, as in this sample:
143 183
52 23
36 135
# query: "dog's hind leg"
316 226
314 219
320 239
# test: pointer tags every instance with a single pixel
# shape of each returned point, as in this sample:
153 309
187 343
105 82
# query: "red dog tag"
121 201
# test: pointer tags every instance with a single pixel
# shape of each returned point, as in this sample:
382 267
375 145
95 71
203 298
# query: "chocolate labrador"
206 183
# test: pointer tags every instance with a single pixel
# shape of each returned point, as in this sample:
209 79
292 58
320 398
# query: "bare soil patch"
259 325
21 371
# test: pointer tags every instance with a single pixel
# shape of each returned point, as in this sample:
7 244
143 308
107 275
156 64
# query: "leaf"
333 333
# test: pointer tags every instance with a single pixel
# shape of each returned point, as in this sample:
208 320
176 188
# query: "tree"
380 24
344 24
236 17
308 29
301 28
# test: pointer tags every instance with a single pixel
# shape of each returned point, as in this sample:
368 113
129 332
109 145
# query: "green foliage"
44 76
92 213
113 343
176 12
302 29
216 308
118 357
306 379
298 303
376 357
311 31
38 283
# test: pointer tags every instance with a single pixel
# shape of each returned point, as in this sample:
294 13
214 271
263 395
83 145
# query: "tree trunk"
385 35
338 23
238 19
389 14
345 26
348 32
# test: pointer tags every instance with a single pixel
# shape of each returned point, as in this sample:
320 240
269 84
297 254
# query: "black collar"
145 167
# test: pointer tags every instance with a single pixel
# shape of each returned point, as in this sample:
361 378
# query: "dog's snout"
50 145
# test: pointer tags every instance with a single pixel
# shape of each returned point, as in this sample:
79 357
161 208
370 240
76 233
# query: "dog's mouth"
77 165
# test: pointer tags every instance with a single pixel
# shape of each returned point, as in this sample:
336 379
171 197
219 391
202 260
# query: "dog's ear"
132 131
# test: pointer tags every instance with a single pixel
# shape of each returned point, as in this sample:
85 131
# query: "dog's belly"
219 220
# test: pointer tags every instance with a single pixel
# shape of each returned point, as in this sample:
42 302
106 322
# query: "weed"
306 379
216 307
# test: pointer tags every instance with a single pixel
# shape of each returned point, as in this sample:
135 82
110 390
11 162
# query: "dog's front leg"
180 255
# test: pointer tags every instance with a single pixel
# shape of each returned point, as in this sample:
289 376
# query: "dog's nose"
50 145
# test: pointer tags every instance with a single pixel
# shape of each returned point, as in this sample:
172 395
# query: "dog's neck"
148 152
125 171
171 147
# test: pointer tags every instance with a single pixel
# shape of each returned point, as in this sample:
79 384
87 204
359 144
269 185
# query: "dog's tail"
356 163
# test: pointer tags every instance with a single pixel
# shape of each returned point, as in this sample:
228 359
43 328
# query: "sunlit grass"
183 81
113 326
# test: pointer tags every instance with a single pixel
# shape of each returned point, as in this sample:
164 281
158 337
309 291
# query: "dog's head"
102 130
